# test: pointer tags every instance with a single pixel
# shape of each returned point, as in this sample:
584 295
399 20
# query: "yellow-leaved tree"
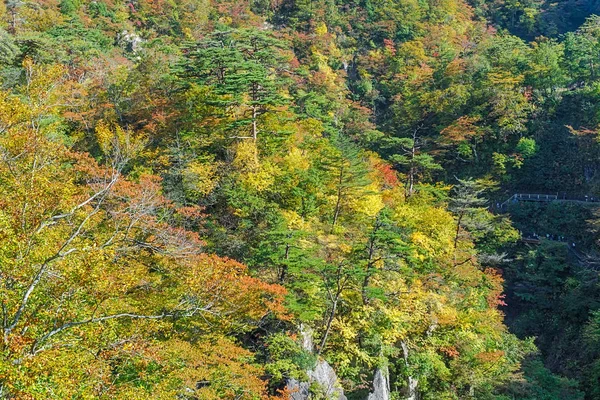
103 294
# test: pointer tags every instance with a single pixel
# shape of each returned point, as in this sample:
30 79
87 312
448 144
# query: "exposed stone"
412 392
323 375
381 385
267 26
130 41
298 390
307 334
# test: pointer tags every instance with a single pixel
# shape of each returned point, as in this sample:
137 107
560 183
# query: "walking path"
546 198
587 261
584 260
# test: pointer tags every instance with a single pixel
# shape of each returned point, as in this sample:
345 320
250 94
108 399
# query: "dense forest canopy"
221 199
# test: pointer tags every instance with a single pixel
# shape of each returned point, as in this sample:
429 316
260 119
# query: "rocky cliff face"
329 384
325 377
381 385
322 374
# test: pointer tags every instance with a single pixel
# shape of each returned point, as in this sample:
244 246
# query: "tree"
244 71
348 174
581 51
466 135
95 263
8 49
385 250
465 203
418 163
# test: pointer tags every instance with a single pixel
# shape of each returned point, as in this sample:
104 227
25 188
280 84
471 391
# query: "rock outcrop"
307 338
322 374
381 385
130 41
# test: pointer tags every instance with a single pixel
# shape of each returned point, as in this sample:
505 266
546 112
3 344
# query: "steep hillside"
187 187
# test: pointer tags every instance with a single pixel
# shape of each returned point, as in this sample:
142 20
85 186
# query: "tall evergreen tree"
244 70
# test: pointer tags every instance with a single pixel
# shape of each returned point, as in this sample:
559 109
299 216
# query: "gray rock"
412 393
381 385
130 41
323 375
298 390
307 334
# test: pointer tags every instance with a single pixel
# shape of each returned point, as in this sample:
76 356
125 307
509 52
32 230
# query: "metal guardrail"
549 198
587 261
535 197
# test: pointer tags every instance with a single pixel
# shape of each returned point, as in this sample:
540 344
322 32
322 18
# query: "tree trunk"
338 203
457 234
329 322
412 171
254 123
284 267
369 268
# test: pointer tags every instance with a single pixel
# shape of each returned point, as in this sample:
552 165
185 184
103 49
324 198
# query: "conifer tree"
243 68
465 202
346 165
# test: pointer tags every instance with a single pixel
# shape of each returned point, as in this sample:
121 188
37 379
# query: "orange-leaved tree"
103 292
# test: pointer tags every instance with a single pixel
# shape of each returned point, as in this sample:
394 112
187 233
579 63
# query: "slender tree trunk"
329 322
284 268
413 170
365 283
12 9
457 234
411 182
13 22
334 303
338 203
254 123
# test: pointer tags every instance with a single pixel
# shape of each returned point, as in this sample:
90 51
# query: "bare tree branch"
171 314
59 254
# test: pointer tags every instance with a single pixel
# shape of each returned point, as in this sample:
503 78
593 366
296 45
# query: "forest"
300 199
